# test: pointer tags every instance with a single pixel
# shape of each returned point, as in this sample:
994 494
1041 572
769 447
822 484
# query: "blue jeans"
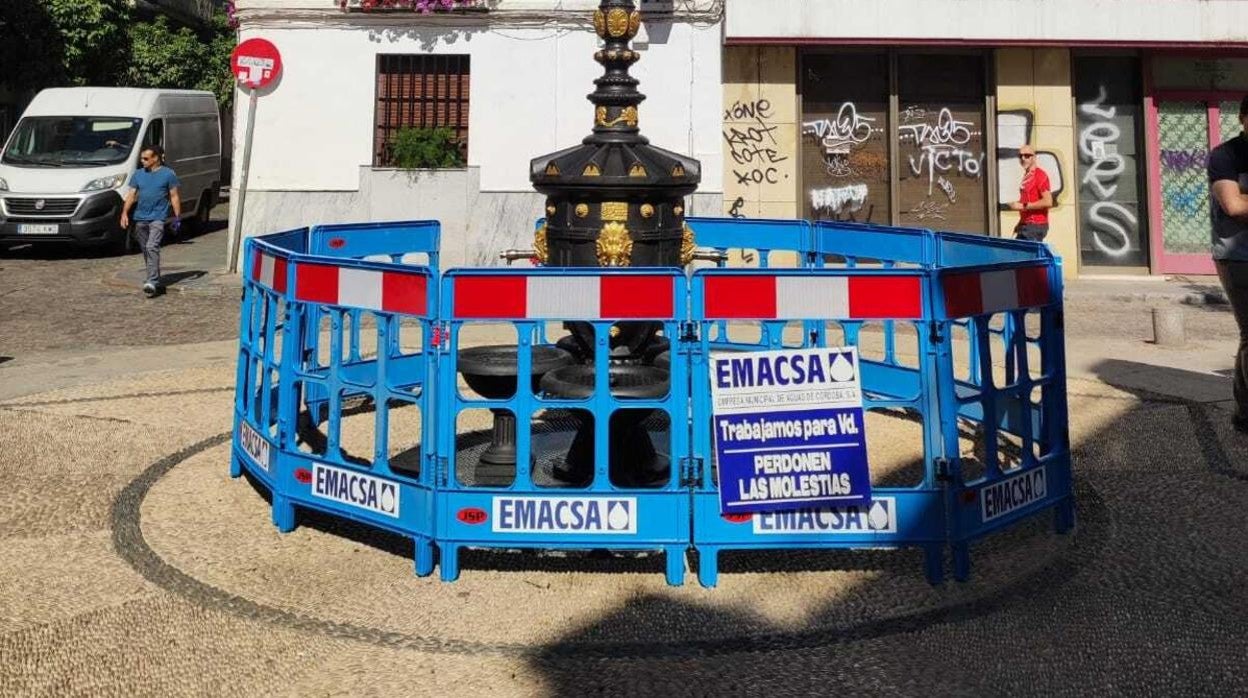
150 234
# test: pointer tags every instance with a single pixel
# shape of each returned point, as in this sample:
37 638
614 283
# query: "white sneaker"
149 289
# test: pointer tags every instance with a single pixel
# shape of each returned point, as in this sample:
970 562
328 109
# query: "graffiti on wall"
942 148
1111 224
752 144
844 142
1014 130
839 137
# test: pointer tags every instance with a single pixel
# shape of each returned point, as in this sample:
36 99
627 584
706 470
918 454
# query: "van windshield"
72 141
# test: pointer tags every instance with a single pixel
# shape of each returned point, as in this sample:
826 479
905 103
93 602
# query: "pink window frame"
1161 261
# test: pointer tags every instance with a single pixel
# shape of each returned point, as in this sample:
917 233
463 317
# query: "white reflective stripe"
812 297
359 288
560 297
266 270
998 290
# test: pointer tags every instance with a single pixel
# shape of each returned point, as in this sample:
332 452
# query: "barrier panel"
362 392
340 347
895 517
534 511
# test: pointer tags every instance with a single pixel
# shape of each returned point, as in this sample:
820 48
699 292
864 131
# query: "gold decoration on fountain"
647 211
678 171
615 246
615 211
637 170
614 331
634 23
600 23
678 209
591 170
539 245
617 23
582 210
552 170
627 116
551 210
687 246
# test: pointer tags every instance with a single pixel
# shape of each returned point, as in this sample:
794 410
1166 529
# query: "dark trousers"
1036 232
1234 277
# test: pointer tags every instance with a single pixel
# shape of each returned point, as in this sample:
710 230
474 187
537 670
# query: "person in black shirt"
1228 189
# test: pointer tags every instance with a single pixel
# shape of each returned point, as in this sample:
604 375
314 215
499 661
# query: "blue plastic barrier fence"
895 517
348 403
532 514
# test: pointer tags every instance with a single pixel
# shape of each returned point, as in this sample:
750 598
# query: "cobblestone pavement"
59 297
132 565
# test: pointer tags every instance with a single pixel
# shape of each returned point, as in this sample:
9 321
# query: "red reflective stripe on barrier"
637 296
1033 286
490 297
962 295
404 293
279 275
257 260
740 297
885 297
317 283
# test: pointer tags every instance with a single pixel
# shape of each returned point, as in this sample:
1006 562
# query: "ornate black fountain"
612 201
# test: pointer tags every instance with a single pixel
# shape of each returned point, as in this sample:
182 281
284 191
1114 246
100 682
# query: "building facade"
911 113
901 112
510 77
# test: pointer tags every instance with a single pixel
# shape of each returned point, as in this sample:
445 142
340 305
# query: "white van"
66 167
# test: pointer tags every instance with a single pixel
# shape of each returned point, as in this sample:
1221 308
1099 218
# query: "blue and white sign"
355 489
789 430
254 445
565 515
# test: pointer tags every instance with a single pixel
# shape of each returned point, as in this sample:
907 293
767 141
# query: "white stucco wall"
314 127
1126 21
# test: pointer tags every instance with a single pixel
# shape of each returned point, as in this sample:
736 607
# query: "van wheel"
203 212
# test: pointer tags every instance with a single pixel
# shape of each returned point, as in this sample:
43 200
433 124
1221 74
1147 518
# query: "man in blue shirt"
1228 184
155 189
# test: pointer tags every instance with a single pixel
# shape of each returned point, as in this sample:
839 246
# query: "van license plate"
38 228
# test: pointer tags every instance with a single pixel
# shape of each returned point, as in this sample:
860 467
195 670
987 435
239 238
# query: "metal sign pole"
236 230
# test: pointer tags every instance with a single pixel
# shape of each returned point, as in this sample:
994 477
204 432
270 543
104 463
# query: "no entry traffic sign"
256 63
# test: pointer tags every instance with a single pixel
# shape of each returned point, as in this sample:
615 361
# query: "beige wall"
1038 82
760 132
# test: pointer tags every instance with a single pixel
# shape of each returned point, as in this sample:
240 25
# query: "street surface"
132 565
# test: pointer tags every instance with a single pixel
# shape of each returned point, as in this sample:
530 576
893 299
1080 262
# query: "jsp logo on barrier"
254 445
1000 498
355 489
789 430
611 515
879 517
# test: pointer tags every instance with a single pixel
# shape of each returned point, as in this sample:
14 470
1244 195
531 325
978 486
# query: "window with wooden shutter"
420 91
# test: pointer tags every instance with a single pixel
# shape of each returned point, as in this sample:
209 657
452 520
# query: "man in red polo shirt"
1035 198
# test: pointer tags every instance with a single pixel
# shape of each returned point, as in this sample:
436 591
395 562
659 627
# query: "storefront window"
845 158
941 143
1113 227
1184 133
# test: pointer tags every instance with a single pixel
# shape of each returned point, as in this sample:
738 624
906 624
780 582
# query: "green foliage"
31 48
94 36
421 148
48 43
162 56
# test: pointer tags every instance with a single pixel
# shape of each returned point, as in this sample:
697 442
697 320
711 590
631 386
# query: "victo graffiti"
754 148
940 148
1113 226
